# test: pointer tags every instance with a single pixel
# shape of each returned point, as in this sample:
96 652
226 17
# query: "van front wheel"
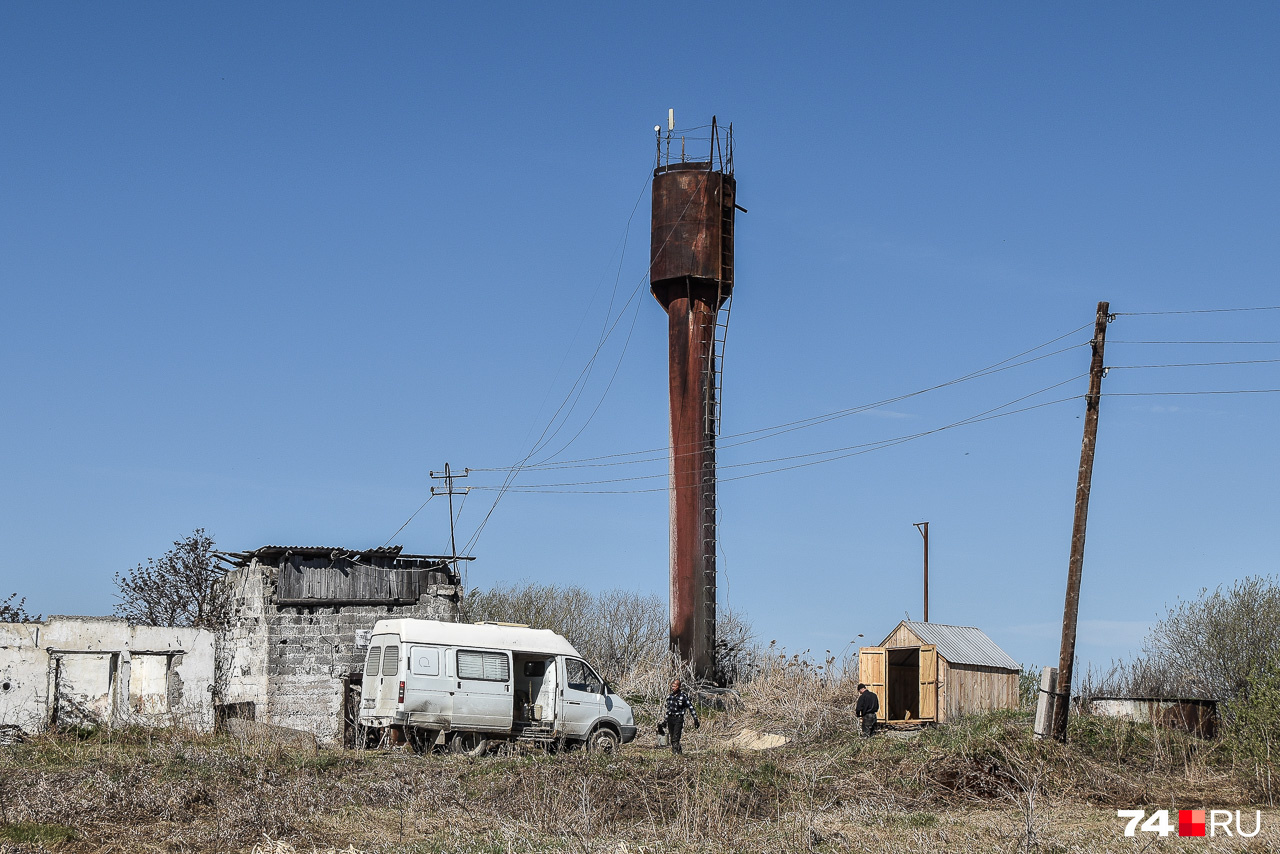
603 739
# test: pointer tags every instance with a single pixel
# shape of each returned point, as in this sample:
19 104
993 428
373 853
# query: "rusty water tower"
691 276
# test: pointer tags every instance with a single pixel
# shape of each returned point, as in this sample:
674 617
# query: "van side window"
489 666
374 660
390 660
425 661
582 677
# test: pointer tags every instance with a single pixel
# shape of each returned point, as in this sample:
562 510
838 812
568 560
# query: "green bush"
1253 730
1028 686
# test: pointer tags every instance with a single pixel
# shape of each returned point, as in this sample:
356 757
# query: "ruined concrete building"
74 671
301 618
291 655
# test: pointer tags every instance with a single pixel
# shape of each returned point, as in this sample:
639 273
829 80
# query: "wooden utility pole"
1071 610
923 528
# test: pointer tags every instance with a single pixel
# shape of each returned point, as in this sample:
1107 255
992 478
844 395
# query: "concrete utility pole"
923 528
1071 610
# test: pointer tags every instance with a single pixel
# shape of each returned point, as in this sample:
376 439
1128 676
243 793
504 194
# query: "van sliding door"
483 700
428 696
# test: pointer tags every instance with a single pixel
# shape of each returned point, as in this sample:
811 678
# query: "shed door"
928 683
871 672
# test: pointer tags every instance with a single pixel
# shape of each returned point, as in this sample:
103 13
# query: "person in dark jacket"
677 704
868 705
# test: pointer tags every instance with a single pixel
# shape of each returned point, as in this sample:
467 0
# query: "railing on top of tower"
709 144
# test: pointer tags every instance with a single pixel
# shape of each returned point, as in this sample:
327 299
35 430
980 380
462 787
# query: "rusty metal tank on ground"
692 236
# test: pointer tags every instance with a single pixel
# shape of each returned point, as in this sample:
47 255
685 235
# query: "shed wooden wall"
969 689
902 636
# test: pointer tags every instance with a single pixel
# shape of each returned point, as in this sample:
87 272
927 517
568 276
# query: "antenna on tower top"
671 119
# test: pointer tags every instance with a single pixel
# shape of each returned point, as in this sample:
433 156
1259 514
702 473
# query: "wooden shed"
936 672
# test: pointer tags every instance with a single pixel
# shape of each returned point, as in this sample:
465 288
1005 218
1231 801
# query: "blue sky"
266 266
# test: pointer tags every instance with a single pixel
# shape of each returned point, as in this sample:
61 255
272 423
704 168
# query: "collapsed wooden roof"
274 555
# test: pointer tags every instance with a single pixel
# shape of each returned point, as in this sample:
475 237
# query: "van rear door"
389 674
483 700
370 681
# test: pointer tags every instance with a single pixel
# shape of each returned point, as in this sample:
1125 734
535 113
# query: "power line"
617 367
1196 364
828 451
855 450
606 332
1164 393
407 521
1194 311
814 420
887 444
1193 342
515 471
772 432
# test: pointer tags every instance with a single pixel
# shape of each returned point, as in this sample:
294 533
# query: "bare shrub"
1206 647
15 612
803 700
625 634
613 629
181 588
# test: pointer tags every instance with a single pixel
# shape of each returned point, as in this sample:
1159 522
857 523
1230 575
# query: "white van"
467 685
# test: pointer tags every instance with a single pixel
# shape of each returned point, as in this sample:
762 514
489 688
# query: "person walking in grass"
868 705
677 704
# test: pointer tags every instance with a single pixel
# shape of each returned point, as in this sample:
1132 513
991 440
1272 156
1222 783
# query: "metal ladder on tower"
715 387
720 334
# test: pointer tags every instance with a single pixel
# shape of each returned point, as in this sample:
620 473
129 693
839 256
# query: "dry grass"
980 785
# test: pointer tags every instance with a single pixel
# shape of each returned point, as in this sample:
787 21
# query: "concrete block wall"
290 661
242 647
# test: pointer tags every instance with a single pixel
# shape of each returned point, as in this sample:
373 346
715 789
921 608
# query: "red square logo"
1191 822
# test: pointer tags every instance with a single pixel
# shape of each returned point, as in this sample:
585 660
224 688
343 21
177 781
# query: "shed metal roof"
960 644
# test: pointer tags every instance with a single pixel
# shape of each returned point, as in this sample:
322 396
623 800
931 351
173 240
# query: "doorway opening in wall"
902 684
352 688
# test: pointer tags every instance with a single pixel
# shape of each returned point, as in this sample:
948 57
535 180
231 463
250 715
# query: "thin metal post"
923 528
1071 609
